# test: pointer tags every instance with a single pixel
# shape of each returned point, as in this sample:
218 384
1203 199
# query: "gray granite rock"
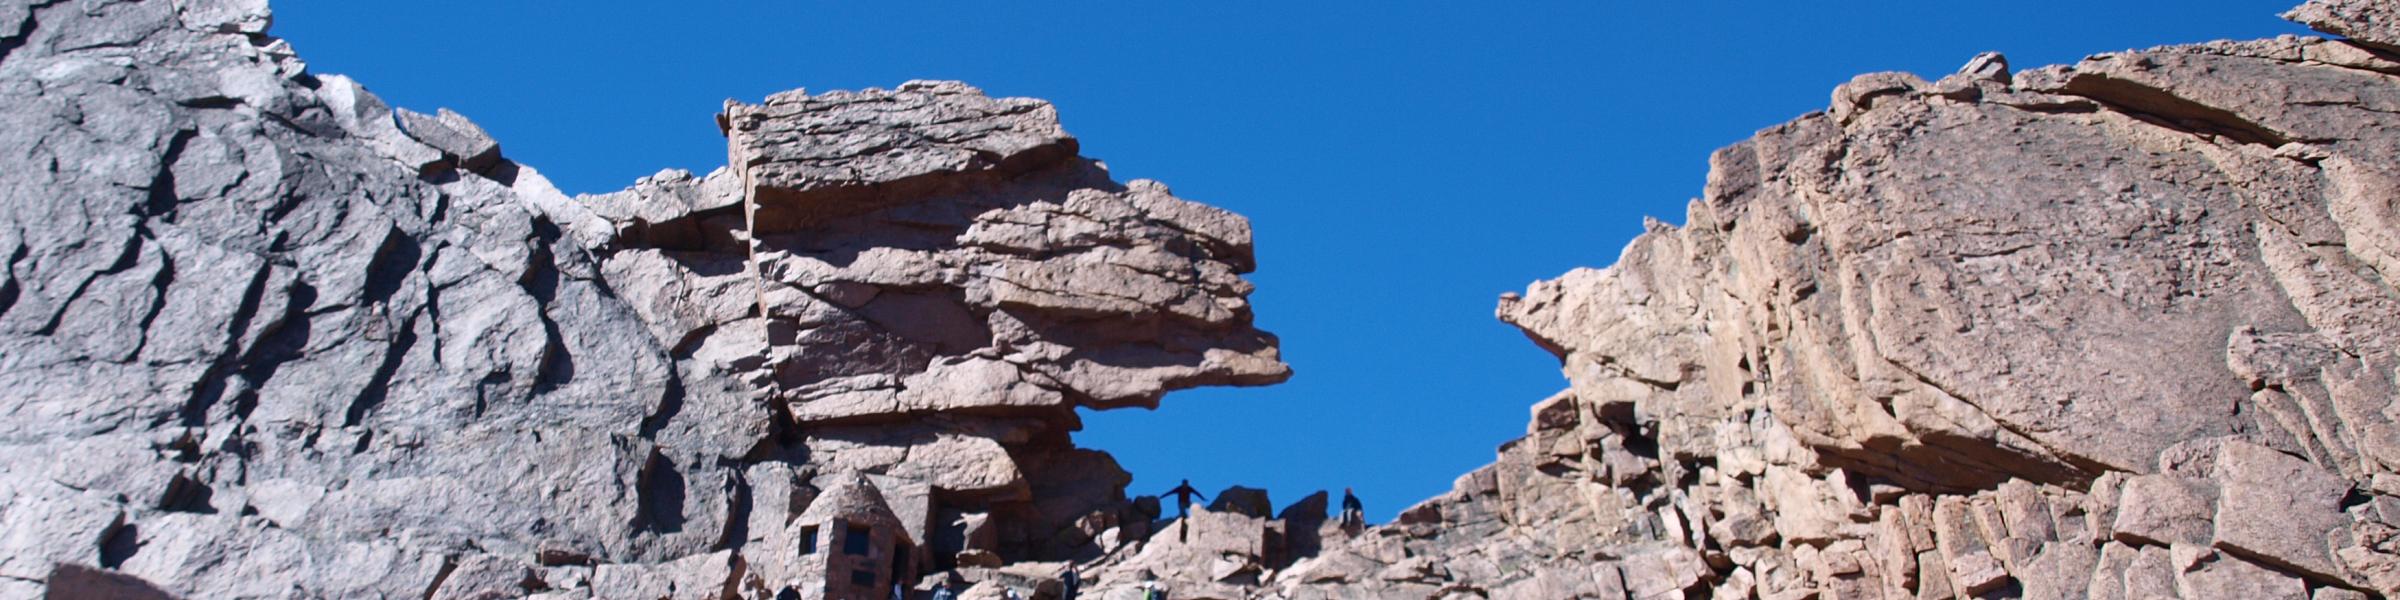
263 335
461 142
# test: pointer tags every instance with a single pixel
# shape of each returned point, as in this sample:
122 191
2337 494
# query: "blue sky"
1402 163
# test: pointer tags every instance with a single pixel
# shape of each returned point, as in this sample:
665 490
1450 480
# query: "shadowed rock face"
262 335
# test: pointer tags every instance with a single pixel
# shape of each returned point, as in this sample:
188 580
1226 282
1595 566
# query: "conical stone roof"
854 499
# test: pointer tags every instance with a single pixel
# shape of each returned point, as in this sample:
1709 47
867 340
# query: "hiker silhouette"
1183 494
1353 513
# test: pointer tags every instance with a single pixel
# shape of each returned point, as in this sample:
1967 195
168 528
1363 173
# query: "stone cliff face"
2120 329
262 336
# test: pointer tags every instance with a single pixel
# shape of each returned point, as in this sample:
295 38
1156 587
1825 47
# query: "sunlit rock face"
960 238
2118 329
262 335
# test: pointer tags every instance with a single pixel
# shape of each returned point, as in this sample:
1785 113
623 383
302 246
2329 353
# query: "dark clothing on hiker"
1353 513
1069 583
1183 494
1183 497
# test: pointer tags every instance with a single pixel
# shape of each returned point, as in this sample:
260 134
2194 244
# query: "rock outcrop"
2119 329
263 336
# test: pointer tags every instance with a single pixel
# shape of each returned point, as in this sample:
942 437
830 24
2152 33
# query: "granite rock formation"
262 335
2118 329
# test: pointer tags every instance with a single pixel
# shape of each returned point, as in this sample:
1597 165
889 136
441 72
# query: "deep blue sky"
1403 163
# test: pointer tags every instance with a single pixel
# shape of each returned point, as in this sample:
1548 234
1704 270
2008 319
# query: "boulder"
459 140
1243 501
2280 509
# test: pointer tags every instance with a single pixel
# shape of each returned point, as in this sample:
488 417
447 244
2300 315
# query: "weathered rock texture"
2123 329
263 336
2120 329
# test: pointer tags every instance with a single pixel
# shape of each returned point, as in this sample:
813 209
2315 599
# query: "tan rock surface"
2119 329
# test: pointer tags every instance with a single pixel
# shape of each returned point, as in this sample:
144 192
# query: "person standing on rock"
1183 498
1183 494
1354 514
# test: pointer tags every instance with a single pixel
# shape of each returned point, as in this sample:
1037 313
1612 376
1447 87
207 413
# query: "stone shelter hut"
851 543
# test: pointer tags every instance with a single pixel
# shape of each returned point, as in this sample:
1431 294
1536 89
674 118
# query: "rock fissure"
9 287
159 283
2164 109
2078 470
375 391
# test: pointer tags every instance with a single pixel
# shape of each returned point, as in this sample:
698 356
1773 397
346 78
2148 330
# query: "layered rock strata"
262 335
